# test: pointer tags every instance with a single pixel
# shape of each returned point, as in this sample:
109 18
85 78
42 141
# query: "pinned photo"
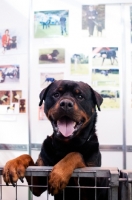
9 109
41 114
111 99
50 56
5 96
16 96
47 78
22 106
105 77
105 56
93 20
9 73
8 42
53 23
79 64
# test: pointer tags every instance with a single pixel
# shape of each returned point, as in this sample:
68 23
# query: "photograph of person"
105 56
105 77
52 55
47 78
8 42
9 73
93 20
53 23
111 99
79 64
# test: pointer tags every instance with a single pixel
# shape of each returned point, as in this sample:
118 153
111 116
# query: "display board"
60 40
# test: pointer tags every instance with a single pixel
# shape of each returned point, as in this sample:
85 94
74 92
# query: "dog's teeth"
74 124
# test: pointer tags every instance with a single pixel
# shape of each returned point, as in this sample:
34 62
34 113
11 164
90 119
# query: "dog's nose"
66 104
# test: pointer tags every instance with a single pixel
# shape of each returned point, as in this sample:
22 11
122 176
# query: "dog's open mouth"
67 126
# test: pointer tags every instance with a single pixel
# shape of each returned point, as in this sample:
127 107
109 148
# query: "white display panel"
14 72
76 41
114 120
112 159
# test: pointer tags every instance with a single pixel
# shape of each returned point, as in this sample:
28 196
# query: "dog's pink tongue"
66 126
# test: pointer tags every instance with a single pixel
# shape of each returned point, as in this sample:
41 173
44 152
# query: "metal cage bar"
112 174
126 186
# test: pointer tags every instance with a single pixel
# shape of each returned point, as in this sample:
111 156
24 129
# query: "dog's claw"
21 179
14 185
7 184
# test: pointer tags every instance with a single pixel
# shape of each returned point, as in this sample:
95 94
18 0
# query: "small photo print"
105 77
105 56
47 78
8 40
9 73
111 99
93 20
79 64
16 96
9 109
5 96
41 114
51 56
22 106
53 23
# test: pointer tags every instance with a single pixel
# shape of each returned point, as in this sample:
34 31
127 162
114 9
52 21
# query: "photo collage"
13 63
78 60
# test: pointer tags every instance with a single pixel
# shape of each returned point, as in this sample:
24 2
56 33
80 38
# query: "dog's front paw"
15 169
58 180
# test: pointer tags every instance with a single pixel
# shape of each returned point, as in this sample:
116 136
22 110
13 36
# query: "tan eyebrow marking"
77 91
60 89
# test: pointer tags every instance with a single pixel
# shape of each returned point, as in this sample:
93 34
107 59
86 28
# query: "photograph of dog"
105 56
9 73
5 97
8 41
48 78
53 23
105 77
79 64
11 108
71 107
93 20
50 56
111 99
16 95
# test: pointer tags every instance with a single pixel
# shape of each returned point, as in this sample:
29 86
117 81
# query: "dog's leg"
103 61
15 169
112 62
62 171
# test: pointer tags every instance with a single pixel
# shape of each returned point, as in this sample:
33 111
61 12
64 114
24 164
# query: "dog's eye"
56 95
80 96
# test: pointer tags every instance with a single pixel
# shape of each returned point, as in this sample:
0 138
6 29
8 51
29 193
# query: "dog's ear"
97 98
43 93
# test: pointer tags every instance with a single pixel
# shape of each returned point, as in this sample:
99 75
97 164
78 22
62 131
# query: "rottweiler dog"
71 108
52 57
